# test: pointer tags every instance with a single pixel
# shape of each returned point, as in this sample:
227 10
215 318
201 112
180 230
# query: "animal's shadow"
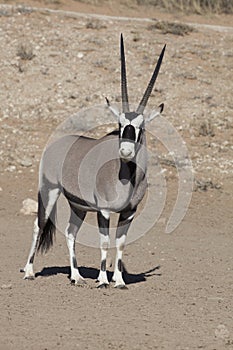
92 273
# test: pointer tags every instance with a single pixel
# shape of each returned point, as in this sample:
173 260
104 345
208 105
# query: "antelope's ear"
114 109
155 113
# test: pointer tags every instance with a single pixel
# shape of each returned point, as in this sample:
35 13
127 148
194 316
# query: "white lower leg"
117 276
28 269
75 275
104 245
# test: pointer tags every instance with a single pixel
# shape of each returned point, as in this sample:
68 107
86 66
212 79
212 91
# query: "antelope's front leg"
103 222
124 222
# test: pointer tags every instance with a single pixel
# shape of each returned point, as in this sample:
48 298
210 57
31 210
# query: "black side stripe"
103 265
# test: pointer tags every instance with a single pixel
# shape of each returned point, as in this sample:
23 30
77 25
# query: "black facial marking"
103 265
129 133
131 115
139 136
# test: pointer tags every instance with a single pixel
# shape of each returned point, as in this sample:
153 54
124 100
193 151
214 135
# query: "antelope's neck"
135 170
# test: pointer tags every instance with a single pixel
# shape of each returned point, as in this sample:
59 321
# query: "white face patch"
137 130
136 123
127 150
123 120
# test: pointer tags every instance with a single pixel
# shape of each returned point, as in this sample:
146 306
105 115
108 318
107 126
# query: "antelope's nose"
125 152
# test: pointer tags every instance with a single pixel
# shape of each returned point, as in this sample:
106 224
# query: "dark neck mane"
127 172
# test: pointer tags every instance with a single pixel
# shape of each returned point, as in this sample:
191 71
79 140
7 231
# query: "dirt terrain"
180 285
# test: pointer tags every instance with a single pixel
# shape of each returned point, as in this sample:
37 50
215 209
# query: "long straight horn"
124 93
150 86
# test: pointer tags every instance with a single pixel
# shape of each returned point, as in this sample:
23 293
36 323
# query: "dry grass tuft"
204 185
97 25
25 52
91 2
192 6
171 28
206 129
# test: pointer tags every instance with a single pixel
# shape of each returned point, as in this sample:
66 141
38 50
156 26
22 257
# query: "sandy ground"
179 285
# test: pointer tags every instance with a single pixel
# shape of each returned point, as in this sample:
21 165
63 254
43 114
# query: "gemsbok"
103 175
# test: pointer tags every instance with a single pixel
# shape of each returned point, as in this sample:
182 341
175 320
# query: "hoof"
79 283
121 286
21 270
29 278
103 286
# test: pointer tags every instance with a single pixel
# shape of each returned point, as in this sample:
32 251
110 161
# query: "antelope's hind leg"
76 219
28 269
46 205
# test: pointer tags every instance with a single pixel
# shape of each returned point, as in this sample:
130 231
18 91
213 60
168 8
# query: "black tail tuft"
47 231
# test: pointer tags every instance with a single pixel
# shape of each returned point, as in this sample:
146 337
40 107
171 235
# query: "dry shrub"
171 28
204 185
25 52
206 129
53 2
92 24
91 2
192 6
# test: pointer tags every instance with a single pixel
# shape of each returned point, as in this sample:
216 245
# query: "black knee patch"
75 263
120 265
32 259
103 265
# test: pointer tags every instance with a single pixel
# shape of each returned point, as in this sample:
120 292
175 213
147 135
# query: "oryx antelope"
103 175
